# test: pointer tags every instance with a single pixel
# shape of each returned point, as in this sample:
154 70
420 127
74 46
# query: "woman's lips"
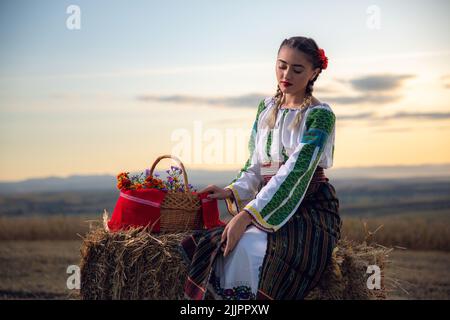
285 83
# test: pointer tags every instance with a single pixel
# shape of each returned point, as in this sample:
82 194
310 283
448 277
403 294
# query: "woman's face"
293 71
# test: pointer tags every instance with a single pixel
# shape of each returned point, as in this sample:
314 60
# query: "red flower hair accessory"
323 59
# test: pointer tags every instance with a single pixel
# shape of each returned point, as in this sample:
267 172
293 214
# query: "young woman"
285 212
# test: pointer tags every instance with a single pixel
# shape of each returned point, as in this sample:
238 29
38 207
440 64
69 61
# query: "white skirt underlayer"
237 275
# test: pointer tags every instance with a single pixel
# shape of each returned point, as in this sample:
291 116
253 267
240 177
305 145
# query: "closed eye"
283 67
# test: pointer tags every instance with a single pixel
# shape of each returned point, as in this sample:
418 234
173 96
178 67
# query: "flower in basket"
123 182
173 182
151 182
147 181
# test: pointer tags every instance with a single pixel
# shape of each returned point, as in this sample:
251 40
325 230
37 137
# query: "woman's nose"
287 73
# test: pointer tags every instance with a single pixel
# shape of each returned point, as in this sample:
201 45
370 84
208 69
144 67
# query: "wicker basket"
180 211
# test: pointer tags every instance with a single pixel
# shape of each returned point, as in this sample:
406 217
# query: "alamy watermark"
374 280
373 21
73 21
211 146
73 280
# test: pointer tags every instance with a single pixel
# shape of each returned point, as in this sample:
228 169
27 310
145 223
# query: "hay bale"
135 264
131 264
345 277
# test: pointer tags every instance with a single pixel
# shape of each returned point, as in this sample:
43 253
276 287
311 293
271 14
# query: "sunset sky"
117 93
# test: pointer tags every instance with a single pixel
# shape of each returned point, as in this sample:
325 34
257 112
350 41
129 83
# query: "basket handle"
168 156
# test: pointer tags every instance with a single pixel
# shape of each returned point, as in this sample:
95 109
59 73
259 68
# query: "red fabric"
210 212
136 208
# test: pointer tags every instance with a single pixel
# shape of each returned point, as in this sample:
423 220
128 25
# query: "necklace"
306 102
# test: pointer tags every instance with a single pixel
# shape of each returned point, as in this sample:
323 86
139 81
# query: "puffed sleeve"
279 199
249 180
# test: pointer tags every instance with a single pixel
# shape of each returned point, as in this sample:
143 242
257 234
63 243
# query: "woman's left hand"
234 230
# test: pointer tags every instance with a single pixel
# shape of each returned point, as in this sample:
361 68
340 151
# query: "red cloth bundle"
210 212
136 208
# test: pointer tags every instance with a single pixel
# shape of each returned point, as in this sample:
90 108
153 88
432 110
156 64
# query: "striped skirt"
296 254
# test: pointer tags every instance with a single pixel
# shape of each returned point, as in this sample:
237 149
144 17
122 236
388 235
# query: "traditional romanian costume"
295 213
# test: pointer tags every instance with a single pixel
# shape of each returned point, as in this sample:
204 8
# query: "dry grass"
423 274
346 276
37 269
44 228
411 232
135 264
131 265
417 232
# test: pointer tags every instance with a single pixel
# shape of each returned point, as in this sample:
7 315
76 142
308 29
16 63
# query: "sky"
111 86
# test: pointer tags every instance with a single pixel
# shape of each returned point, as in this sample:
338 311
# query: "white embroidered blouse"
289 156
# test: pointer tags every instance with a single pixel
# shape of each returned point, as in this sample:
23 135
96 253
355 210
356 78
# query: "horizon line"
222 170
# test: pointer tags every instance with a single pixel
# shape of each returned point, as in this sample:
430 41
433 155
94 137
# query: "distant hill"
200 178
71 183
362 191
357 197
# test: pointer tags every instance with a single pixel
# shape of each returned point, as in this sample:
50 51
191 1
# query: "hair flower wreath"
323 58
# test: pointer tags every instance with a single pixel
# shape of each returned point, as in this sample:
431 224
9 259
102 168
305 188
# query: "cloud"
399 115
360 116
250 100
385 82
446 79
366 98
372 89
419 115
394 130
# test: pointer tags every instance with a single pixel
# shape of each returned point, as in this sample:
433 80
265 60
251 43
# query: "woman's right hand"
216 192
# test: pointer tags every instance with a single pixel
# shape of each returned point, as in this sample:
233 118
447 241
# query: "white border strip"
139 200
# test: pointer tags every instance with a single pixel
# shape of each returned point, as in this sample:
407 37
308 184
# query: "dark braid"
310 85
278 96
270 123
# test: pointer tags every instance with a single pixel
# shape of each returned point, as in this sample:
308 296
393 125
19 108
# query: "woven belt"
319 176
271 169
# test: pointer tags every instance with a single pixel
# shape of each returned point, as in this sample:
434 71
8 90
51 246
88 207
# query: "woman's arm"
248 181
234 230
279 199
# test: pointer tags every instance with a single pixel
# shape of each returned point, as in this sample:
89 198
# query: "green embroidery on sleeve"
319 125
322 119
315 136
269 144
251 142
